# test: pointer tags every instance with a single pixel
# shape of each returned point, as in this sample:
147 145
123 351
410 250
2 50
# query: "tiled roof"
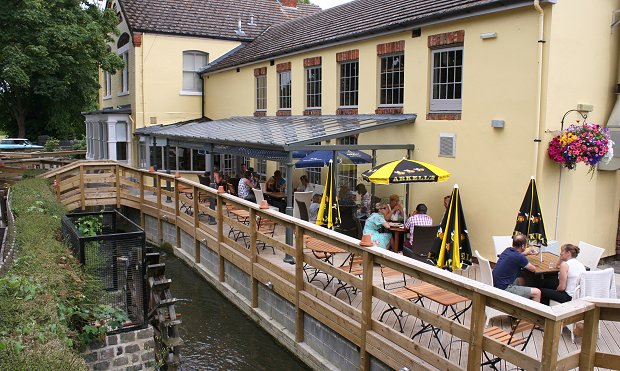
209 18
351 20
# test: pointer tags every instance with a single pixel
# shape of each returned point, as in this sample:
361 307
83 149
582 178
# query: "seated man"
418 218
276 183
509 264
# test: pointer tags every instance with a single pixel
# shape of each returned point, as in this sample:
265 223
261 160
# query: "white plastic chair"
589 255
260 197
304 197
501 243
486 276
600 284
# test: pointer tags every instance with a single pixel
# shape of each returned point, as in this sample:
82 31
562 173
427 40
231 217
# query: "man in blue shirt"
508 267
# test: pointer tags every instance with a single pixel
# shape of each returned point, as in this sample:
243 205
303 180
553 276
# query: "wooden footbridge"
394 311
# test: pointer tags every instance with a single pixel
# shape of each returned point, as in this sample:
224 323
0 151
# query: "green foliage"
90 225
48 305
94 321
166 246
51 144
80 144
50 52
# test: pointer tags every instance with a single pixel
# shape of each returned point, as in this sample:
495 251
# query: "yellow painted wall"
582 68
490 169
163 76
492 166
118 100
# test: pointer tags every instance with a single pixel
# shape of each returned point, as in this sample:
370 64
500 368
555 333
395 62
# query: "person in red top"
418 218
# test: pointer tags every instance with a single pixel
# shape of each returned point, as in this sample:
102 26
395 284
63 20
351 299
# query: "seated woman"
276 183
244 189
398 213
374 223
570 271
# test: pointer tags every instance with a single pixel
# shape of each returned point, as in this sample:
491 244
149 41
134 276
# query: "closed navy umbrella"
529 219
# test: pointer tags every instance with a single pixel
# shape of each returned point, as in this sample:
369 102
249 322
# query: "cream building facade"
520 67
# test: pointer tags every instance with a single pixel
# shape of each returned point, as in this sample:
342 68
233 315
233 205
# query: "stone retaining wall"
134 350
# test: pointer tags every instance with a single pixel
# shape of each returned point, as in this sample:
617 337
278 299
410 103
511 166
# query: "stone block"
119 351
120 361
112 339
101 366
148 356
150 344
91 357
127 337
134 368
147 333
97 344
106 353
132 348
135 358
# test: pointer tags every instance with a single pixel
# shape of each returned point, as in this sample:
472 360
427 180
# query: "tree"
50 52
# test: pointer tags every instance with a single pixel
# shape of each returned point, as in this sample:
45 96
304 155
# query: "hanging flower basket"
587 143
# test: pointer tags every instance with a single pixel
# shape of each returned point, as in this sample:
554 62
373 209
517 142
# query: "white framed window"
349 83
107 88
261 92
193 61
392 80
261 168
123 52
313 87
446 79
284 90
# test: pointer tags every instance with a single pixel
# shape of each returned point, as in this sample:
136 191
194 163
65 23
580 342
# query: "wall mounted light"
488 35
498 123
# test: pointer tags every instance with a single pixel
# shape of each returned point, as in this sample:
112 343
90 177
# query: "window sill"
448 116
122 94
190 93
107 97
389 110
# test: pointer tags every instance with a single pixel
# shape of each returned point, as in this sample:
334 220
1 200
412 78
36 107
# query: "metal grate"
116 258
447 145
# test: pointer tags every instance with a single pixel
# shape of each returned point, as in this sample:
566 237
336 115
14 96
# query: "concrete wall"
130 351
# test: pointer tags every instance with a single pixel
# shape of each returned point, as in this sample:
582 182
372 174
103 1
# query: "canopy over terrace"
275 138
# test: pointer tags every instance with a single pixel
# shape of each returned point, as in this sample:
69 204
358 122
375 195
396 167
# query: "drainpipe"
541 42
202 99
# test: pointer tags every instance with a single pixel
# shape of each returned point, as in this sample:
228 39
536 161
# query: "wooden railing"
87 183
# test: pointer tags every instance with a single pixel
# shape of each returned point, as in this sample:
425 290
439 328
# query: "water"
216 335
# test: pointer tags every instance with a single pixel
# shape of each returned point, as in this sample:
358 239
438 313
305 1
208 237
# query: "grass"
43 289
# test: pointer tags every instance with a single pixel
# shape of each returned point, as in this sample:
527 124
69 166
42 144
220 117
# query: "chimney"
289 3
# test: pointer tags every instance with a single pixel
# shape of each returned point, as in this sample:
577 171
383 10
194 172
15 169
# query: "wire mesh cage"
111 248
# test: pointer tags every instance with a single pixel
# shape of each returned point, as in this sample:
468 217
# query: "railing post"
118 186
253 257
476 335
142 222
369 260
551 342
220 234
83 194
588 342
299 282
196 225
160 231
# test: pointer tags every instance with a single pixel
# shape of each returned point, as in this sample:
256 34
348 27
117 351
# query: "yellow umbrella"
405 171
329 216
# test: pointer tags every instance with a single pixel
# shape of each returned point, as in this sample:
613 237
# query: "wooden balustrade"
87 183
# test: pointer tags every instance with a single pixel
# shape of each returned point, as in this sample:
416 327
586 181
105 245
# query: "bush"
51 144
48 304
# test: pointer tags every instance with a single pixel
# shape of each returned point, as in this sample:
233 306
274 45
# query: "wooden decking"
97 184
608 342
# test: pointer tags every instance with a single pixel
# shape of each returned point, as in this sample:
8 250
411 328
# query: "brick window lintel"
440 40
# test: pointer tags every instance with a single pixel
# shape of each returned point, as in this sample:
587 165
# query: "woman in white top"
570 271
